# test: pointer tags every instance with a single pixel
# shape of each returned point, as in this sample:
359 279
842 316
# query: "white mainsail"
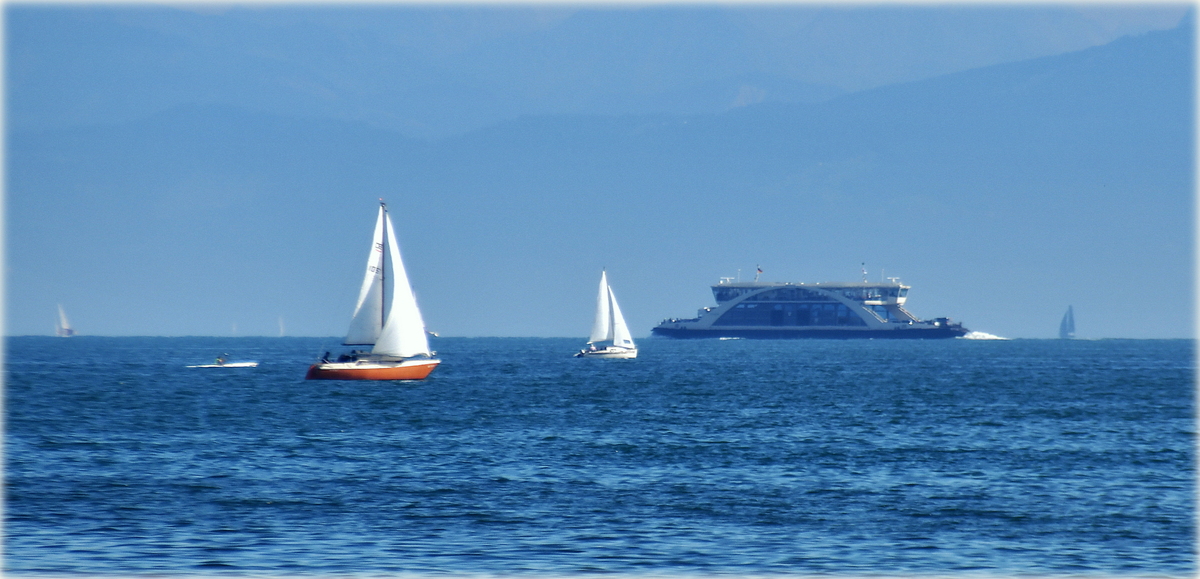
367 321
610 324
397 329
602 327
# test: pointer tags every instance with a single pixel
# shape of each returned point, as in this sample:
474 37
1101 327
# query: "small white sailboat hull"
610 352
227 365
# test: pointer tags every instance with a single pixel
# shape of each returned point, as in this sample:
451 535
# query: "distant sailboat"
62 328
391 324
609 328
1066 329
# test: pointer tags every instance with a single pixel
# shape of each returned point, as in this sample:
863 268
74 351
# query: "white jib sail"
403 333
367 321
620 331
602 327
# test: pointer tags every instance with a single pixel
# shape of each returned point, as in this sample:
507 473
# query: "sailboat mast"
383 268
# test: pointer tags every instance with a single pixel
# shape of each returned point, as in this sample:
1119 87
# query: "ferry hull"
406 370
829 334
788 311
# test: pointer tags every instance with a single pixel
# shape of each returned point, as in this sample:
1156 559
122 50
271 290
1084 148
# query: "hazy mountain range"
1003 194
443 70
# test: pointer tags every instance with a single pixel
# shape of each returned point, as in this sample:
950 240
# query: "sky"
214 170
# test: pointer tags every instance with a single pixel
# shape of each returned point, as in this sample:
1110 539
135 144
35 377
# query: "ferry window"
724 294
789 294
790 315
745 315
884 313
845 317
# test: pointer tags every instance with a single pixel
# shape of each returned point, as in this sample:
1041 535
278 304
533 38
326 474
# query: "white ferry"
775 310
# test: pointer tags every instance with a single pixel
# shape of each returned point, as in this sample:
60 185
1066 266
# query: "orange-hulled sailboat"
390 324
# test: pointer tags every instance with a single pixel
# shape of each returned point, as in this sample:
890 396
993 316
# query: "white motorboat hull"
228 365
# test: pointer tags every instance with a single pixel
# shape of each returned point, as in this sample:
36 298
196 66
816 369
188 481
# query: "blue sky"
213 170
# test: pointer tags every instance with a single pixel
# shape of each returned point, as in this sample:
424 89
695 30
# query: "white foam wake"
982 336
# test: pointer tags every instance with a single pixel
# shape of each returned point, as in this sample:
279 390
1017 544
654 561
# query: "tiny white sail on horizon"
62 327
1066 328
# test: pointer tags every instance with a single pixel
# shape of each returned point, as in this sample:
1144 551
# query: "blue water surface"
711 457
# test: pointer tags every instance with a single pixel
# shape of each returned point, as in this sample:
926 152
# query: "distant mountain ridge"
436 71
996 192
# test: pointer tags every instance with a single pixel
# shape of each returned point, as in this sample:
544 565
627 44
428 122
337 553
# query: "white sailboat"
609 329
1066 328
62 328
391 324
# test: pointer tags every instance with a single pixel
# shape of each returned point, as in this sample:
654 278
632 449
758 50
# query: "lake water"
710 457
